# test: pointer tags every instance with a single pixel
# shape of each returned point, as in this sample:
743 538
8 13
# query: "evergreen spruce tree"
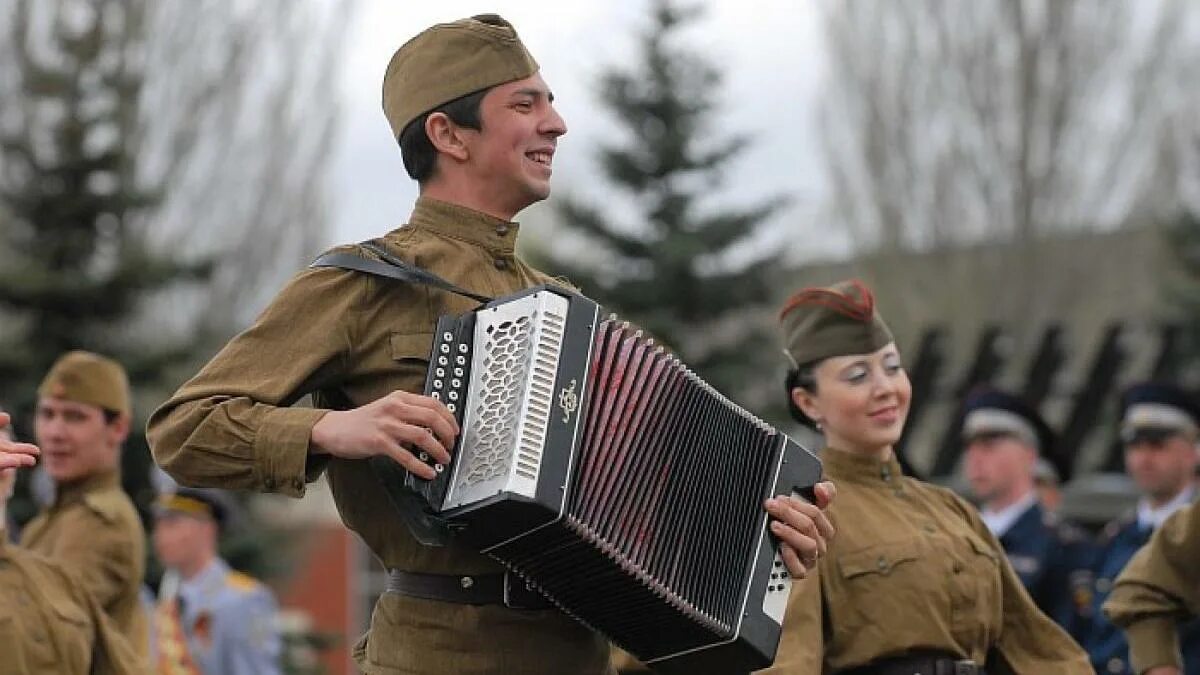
74 263
669 272
1183 238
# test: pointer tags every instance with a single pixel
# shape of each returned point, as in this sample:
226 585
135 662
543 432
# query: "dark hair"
803 377
417 151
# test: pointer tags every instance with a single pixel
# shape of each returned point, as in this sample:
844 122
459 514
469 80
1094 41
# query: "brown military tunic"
50 624
913 568
1157 589
349 339
93 529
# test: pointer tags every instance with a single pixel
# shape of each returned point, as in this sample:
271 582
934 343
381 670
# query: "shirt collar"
69 493
999 522
213 573
464 224
1150 517
867 469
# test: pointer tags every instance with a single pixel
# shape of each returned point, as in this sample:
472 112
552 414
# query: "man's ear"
119 428
446 136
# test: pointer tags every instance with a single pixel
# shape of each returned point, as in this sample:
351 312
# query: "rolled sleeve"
282 445
1153 641
232 425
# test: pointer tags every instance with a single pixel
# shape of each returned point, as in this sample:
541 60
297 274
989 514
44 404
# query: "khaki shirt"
93 529
50 624
1157 589
913 568
349 339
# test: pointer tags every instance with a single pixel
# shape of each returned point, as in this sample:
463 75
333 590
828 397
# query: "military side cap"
84 377
1155 410
451 60
196 502
988 412
836 320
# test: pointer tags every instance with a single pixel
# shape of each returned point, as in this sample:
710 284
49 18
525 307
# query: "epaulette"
107 504
241 582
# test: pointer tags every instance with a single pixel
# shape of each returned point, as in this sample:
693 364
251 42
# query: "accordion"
597 467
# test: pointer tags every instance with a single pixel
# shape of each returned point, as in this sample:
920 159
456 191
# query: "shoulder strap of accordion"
391 267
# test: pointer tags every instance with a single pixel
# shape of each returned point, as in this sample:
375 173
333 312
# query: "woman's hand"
803 528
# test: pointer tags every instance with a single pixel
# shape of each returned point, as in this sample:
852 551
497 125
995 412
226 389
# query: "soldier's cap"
197 503
837 320
993 412
85 377
448 61
1154 411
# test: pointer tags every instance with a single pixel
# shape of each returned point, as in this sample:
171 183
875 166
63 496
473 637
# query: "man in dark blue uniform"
1005 439
1159 426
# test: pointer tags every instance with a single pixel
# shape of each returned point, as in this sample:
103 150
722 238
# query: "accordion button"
454 396
461 360
456 383
451 407
447 336
442 361
466 582
462 348
440 372
458 372
424 456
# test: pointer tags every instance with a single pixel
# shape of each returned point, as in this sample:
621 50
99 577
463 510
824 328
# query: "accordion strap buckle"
519 594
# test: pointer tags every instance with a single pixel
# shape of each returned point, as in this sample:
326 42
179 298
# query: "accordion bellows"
600 469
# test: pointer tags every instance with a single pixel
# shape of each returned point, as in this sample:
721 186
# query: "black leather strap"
391 267
478 589
918 665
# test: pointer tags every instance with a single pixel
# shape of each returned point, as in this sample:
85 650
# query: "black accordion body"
598 468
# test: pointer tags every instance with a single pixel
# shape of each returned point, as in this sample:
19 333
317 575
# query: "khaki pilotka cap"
836 320
448 61
84 377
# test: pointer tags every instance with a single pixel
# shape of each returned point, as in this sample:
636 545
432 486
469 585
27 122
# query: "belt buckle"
519 594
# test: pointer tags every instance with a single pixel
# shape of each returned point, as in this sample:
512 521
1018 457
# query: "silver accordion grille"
509 398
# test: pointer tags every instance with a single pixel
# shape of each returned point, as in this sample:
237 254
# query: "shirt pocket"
978 606
875 589
410 360
76 634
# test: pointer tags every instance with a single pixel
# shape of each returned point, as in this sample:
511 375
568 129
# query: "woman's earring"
818 424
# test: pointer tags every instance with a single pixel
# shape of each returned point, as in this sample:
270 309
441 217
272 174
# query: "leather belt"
918 665
474 589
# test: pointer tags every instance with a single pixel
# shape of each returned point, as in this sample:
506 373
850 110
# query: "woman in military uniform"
48 622
914 583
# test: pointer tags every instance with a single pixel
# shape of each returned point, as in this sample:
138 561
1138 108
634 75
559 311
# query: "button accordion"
597 467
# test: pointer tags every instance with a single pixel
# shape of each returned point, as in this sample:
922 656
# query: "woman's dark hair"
417 151
805 378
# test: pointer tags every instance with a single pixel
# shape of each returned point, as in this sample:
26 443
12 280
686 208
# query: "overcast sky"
769 50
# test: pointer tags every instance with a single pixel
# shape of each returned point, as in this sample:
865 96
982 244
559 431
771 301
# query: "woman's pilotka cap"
836 320
451 60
